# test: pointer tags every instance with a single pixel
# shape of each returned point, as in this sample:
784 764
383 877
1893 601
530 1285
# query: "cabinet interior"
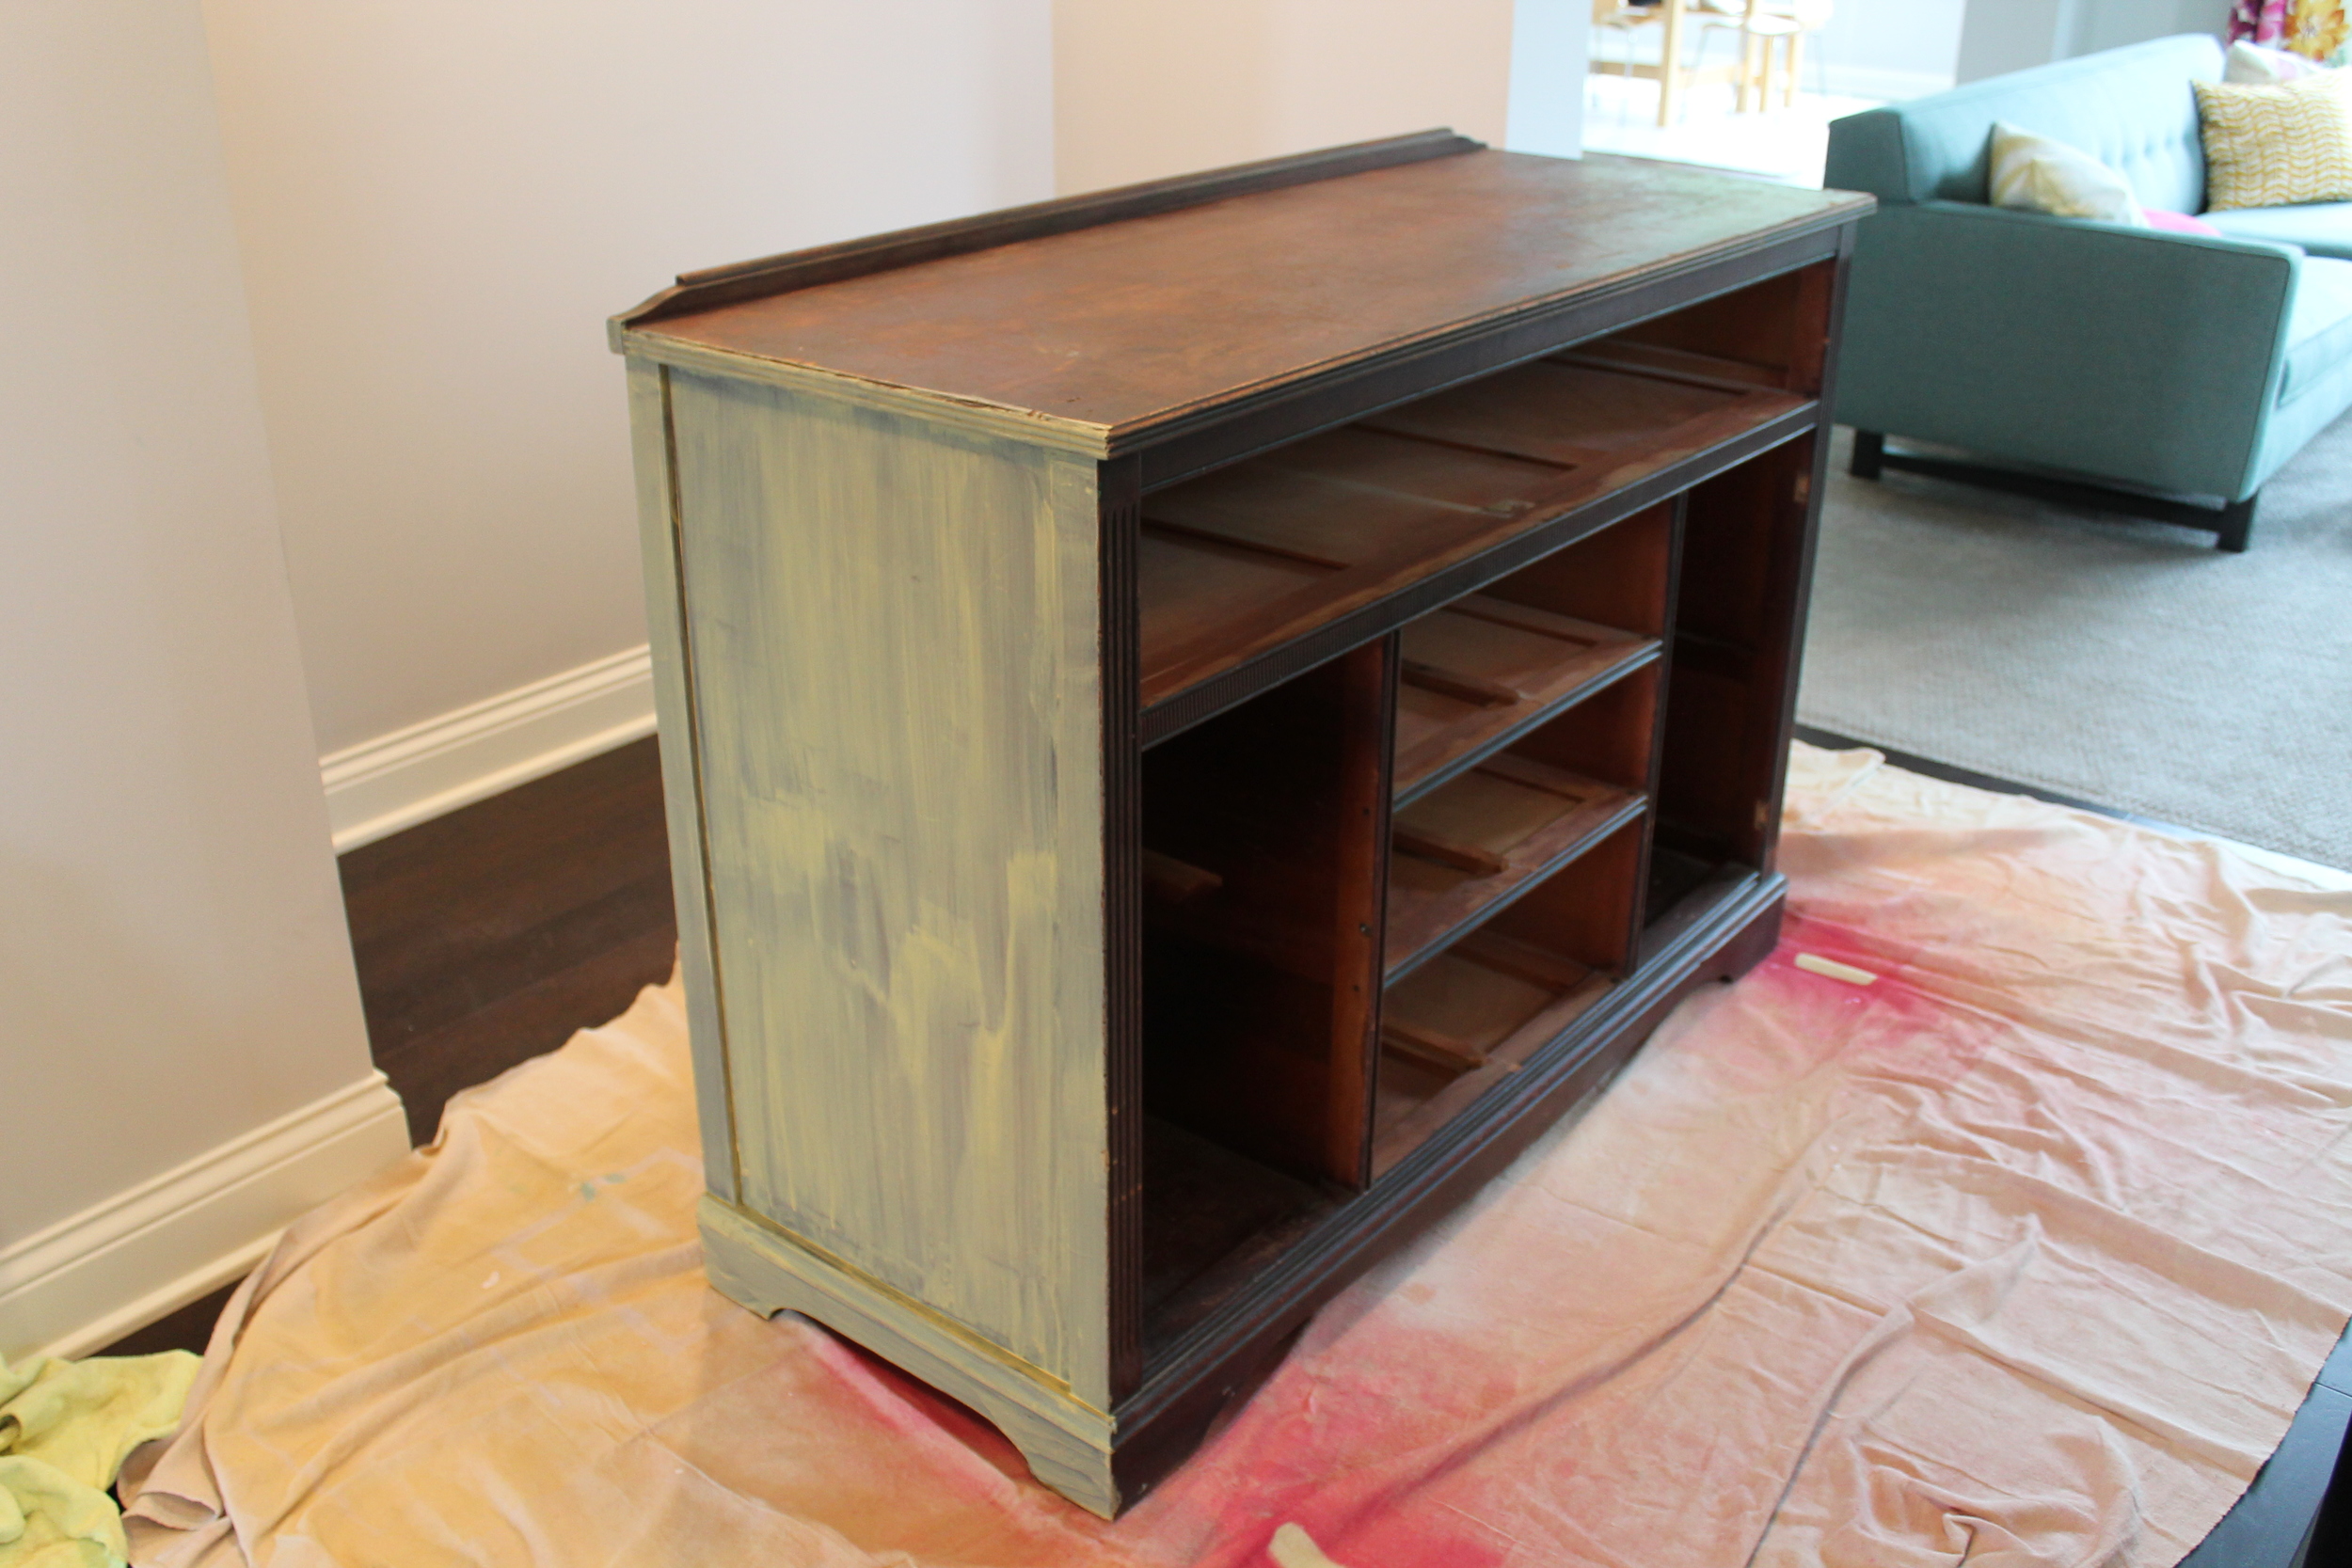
1375 890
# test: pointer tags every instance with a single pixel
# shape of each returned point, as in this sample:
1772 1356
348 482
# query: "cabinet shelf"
1488 1000
1240 561
1483 669
1463 850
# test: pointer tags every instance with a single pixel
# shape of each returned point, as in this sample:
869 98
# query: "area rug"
2004 1214
2129 664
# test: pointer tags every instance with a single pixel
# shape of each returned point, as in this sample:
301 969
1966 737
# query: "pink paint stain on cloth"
2027 1249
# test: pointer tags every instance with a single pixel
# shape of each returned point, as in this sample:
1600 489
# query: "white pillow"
2035 174
2250 65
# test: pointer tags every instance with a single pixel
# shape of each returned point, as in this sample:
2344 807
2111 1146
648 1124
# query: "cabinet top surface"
1139 323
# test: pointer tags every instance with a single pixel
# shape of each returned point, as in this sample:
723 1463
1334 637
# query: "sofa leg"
1870 453
2236 529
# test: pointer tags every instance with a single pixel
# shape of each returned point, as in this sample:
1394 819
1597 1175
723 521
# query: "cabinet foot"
1066 1441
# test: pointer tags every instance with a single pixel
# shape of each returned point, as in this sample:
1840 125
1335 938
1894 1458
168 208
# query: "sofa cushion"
2035 174
2287 145
2130 109
2319 329
2322 227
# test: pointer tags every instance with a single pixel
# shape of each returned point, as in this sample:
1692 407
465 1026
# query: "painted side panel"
894 640
681 785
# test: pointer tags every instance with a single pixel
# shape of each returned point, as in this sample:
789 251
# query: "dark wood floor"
490 935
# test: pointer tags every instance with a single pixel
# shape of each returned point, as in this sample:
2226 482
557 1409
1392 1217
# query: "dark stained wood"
1259 994
1135 326
1192 1378
1526 823
1273 550
801 269
1124 875
1479 1010
1610 736
190 1329
490 935
1540 635
1747 564
1326 630
1360 907
1199 444
1775 329
1620 576
1217 1219
1567 411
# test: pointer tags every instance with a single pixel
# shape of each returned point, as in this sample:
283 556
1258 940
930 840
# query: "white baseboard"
399 780
88 1280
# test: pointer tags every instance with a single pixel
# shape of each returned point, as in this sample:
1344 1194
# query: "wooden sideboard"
1198 721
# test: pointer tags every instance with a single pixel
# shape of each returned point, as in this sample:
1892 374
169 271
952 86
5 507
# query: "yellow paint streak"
895 636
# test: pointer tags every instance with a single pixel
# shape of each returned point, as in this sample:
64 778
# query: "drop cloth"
2023 1252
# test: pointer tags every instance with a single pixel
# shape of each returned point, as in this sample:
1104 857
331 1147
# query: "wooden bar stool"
1761 24
1672 77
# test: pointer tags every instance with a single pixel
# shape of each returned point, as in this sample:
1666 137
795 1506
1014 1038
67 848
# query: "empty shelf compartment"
1452 1013
1487 1003
1483 669
1242 560
1476 841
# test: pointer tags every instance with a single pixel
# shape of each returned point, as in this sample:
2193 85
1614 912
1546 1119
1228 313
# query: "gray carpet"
2130 664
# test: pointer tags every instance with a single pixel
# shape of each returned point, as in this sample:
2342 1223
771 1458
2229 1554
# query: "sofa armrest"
2133 353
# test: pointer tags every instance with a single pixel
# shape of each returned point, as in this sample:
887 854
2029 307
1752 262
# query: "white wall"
441 201
1887 49
1144 88
1550 45
174 973
2010 35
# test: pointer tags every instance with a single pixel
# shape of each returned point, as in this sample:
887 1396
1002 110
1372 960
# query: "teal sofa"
2127 369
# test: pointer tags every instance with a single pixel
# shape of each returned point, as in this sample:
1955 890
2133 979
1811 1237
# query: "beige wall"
439 202
1144 88
2001 36
173 966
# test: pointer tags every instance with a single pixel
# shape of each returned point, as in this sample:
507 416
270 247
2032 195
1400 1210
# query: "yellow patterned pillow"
2276 146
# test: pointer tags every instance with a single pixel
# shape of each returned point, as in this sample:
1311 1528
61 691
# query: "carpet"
2020 1243
2125 663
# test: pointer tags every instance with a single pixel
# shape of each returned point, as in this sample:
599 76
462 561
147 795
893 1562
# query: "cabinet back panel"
893 632
1258 991
1731 686
1618 578
1777 327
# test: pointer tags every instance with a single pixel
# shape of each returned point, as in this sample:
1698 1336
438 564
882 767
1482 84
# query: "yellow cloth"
65 1428
2276 146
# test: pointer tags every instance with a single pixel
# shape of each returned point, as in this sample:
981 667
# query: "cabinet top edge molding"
1097 323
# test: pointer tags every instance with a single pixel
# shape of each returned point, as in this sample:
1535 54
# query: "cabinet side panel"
681 785
894 637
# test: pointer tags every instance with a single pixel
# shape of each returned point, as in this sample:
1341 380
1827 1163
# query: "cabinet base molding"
1066 1441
